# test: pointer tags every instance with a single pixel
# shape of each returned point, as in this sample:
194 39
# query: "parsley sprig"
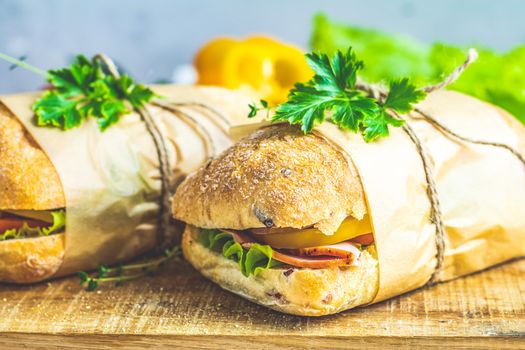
124 273
85 90
332 94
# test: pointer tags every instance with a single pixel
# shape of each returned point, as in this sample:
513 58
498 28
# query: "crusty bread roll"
304 292
276 177
31 260
279 177
28 181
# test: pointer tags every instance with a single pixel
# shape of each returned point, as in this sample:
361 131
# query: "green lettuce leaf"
59 222
495 78
251 262
498 78
213 238
258 259
386 56
234 251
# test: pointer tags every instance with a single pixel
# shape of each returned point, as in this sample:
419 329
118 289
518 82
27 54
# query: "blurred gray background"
150 38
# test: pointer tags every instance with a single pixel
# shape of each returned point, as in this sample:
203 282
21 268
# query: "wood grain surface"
179 308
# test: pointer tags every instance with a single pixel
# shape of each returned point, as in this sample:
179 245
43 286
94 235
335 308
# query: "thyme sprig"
125 272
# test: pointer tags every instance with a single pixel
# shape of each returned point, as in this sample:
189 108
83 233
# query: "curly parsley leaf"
331 91
85 90
402 96
57 110
337 74
376 126
305 106
332 94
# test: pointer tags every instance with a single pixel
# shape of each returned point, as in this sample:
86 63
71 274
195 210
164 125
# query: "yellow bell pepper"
260 65
311 237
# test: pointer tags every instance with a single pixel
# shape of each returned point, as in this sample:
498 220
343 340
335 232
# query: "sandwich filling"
259 249
18 224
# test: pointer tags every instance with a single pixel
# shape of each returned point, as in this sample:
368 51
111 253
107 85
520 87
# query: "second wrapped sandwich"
77 199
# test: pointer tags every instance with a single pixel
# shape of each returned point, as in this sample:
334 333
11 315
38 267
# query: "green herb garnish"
254 108
332 94
123 273
85 90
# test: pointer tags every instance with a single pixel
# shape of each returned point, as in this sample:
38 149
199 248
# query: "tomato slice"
10 223
364 239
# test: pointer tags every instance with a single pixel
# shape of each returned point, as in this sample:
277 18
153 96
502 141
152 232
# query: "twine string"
436 214
165 233
472 56
108 63
200 105
211 149
448 131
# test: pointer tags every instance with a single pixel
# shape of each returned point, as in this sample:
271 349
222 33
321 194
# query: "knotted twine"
165 234
380 93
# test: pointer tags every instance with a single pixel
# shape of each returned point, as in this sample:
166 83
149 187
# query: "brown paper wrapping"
481 190
111 179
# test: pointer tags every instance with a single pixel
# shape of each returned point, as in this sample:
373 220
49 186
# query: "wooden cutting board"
179 308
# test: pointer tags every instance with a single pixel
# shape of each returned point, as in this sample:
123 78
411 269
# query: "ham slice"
240 238
313 262
340 254
341 250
